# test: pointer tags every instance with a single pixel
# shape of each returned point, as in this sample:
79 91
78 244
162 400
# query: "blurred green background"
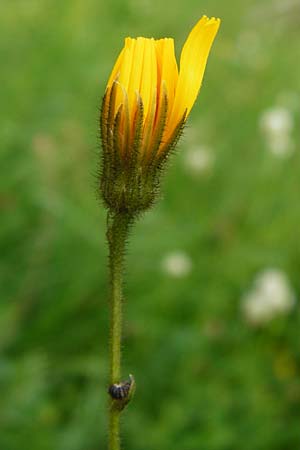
212 315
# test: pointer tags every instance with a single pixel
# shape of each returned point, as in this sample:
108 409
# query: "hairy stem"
117 233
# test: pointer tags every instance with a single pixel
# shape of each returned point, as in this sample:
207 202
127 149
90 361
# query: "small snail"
121 391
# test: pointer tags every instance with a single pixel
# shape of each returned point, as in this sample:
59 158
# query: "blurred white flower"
198 159
277 125
271 295
277 120
177 264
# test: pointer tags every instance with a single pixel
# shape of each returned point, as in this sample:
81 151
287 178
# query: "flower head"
144 109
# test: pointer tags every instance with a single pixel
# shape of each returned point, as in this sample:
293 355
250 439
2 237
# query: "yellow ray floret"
146 71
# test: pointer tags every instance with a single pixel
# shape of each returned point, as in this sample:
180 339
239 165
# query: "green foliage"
205 377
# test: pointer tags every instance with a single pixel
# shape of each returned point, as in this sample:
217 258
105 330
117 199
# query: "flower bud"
143 113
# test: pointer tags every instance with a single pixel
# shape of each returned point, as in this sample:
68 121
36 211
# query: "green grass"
205 378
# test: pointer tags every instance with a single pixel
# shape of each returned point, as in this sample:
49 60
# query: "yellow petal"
192 65
125 71
136 74
167 68
149 78
167 76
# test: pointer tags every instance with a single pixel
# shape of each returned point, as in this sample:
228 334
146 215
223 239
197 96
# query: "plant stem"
117 233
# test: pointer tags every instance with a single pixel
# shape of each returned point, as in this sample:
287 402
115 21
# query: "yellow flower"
147 101
146 70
